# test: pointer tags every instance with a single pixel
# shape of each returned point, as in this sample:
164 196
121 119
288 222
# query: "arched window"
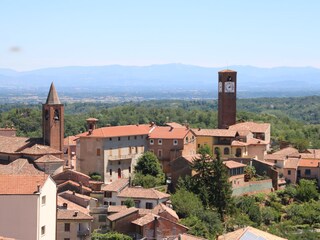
46 114
238 152
56 115
119 173
226 151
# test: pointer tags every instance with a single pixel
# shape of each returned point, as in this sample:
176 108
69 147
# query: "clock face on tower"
229 87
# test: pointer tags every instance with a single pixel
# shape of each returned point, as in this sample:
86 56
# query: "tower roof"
226 70
53 96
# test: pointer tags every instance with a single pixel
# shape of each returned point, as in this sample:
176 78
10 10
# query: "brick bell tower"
53 120
227 98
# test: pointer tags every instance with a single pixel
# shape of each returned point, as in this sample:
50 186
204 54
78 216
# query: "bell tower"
227 98
53 120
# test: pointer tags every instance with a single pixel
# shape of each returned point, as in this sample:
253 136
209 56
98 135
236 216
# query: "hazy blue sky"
265 33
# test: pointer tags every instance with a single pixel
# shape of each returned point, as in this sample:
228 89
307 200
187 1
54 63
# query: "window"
275 161
102 218
129 169
43 200
98 151
199 145
151 141
307 172
149 205
216 150
56 115
175 142
238 152
129 138
135 137
137 203
66 238
105 203
187 139
289 172
67 227
160 153
43 230
226 151
108 194
110 139
119 138
159 141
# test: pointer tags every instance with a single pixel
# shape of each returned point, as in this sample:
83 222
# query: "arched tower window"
119 173
46 114
56 115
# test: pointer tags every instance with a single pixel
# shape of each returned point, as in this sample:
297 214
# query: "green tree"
148 164
129 202
249 172
109 236
196 226
186 203
205 149
307 190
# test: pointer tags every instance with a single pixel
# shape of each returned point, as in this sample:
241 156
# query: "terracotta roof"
148 218
214 132
313 152
122 214
119 131
249 233
66 214
75 184
70 205
244 133
169 133
53 96
291 163
163 208
186 236
20 166
251 126
189 158
286 151
70 141
70 174
139 192
48 159
68 192
233 164
21 184
38 149
13 144
255 141
309 163
116 208
6 238
238 143
175 125
116 185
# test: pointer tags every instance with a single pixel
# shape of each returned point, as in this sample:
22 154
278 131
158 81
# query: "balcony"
83 233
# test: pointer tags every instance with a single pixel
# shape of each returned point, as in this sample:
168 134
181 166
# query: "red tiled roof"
71 205
75 184
148 218
66 214
20 166
38 149
68 192
190 158
291 163
48 159
175 125
139 192
214 132
163 208
21 184
122 214
238 143
227 70
286 151
70 141
255 141
68 174
251 126
169 133
116 185
119 131
233 164
309 163
13 144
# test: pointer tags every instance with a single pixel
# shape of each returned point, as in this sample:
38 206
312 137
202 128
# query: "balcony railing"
121 157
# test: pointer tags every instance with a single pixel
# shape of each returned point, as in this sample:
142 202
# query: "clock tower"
53 120
227 98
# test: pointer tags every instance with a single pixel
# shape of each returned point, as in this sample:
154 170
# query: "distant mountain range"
165 78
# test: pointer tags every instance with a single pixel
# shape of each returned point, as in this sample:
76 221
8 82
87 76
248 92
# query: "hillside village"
47 188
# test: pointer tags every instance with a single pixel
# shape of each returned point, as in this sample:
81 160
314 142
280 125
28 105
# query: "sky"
210 33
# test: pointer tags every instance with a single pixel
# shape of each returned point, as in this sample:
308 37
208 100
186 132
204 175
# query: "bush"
95 176
109 236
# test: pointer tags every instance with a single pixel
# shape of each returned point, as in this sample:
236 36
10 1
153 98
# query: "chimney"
75 213
38 188
171 128
91 124
151 124
199 129
65 205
